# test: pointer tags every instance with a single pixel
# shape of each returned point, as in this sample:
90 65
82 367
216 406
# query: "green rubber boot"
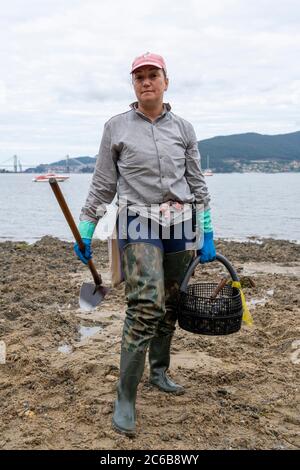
131 371
159 359
175 266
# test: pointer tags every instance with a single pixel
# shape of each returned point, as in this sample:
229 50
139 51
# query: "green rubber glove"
86 230
206 247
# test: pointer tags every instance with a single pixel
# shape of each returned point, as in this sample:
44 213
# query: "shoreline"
58 382
214 172
251 239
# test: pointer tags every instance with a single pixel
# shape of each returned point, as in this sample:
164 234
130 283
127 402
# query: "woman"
150 157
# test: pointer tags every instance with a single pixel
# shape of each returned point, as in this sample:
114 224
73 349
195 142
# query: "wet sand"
57 386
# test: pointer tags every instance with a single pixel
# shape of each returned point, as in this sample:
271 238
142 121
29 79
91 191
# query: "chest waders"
149 322
175 267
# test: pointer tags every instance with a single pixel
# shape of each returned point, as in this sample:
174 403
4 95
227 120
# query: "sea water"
243 205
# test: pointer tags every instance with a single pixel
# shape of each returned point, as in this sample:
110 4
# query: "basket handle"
194 263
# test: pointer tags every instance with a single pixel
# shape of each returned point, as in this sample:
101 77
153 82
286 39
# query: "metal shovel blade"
91 295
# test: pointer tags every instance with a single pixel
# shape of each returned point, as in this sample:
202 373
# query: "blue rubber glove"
86 230
87 254
206 250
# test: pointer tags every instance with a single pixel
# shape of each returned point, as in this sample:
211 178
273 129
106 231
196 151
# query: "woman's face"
149 84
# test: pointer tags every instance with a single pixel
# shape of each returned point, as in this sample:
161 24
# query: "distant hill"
243 149
79 164
239 152
76 161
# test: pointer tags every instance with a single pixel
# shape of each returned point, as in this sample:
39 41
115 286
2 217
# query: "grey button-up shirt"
146 163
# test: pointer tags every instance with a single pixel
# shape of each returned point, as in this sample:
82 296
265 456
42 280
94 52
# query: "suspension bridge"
14 165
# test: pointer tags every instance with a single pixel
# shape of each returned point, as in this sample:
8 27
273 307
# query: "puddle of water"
87 331
263 300
258 301
65 348
270 268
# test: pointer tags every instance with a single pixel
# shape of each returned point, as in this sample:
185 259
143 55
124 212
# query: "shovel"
90 294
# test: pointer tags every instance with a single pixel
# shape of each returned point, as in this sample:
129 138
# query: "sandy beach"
57 386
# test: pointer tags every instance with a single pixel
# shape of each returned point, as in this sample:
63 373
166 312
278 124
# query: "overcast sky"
233 66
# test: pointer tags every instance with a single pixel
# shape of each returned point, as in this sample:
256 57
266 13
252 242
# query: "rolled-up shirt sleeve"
104 182
193 172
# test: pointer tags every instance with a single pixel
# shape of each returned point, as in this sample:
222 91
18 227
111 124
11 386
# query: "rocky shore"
57 382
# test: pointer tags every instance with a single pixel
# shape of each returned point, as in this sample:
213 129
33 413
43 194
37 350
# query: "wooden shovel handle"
69 218
219 287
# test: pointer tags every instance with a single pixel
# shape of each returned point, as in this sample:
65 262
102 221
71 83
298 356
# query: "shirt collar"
134 106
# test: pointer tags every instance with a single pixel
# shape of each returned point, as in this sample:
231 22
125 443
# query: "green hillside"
243 149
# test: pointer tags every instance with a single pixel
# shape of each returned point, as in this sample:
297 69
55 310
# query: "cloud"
65 68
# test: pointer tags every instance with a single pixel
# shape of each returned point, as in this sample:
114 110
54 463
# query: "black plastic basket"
198 313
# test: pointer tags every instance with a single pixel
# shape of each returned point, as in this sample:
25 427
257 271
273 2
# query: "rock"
164 437
29 414
247 281
111 378
12 314
37 331
228 390
106 410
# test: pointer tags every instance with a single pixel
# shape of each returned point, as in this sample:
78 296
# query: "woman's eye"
152 76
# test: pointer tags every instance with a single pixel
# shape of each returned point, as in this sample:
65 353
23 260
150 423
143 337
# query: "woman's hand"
86 230
208 251
85 255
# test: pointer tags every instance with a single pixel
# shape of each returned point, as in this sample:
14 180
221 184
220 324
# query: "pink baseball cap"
149 59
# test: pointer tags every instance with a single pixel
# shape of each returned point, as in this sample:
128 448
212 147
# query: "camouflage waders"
147 321
142 265
175 266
